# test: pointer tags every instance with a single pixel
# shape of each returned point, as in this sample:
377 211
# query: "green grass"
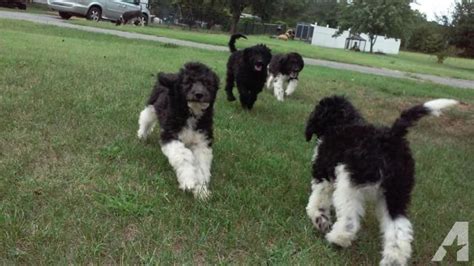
405 61
77 187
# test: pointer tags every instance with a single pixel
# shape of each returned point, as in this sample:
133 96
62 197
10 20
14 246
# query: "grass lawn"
32 8
405 61
76 186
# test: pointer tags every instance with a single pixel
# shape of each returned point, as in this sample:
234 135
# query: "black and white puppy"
183 104
129 15
284 68
247 68
353 161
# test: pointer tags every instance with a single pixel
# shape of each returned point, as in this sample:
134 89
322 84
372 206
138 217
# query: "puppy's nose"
198 95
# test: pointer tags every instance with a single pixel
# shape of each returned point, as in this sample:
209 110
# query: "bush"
445 53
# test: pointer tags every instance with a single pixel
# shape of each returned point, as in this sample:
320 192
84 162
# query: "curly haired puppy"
354 160
288 35
183 104
284 68
248 68
130 15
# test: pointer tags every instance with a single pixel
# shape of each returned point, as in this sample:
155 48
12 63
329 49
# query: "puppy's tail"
232 40
409 117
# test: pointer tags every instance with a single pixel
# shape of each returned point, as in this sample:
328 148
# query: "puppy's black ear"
268 54
300 61
283 60
167 79
215 80
310 126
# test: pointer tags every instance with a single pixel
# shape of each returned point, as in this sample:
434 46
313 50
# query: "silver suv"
98 9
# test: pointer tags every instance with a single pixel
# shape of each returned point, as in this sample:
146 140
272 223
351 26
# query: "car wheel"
94 13
65 15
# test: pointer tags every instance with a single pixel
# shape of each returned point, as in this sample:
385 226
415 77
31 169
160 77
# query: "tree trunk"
372 40
235 21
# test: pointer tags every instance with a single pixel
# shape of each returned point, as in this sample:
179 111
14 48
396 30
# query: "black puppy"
284 68
353 161
248 68
183 104
129 15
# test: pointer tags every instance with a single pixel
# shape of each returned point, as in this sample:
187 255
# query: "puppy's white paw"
187 184
201 192
322 222
342 239
141 134
393 261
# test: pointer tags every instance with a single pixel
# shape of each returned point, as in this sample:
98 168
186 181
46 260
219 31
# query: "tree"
321 11
209 11
236 7
162 8
262 8
463 28
324 12
375 17
289 11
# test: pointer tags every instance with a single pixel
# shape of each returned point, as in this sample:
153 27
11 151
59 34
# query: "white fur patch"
278 90
319 205
270 81
146 122
191 158
197 108
435 106
190 136
182 160
203 155
397 238
292 84
348 202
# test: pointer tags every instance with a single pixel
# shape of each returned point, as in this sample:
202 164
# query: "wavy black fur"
170 100
232 40
371 154
247 68
289 64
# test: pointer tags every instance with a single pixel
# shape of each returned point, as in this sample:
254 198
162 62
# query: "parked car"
20 4
98 9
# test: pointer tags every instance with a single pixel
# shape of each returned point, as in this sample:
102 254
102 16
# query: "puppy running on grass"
284 69
129 15
183 104
354 159
248 69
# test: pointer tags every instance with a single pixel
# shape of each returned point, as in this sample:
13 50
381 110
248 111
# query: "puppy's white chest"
189 135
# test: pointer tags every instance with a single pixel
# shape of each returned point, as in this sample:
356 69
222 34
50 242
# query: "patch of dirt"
457 126
199 258
178 246
130 232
